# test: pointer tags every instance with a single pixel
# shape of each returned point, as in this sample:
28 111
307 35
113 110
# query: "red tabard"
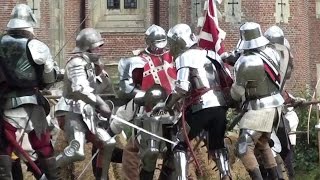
159 70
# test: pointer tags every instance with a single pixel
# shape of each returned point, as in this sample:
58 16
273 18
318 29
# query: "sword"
140 129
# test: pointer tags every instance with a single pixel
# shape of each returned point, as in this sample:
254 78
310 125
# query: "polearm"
116 101
300 104
101 95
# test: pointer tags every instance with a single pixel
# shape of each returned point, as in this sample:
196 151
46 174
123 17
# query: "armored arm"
128 82
182 84
231 57
41 55
182 87
77 74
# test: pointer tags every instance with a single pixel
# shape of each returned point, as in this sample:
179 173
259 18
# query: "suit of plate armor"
81 121
153 66
257 84
199 77
26 67
278 42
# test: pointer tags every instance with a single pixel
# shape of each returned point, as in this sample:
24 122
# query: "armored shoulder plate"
191 58
39 51
127 65
249 67
76 61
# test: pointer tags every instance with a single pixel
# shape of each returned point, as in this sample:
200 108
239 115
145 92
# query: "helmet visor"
160 44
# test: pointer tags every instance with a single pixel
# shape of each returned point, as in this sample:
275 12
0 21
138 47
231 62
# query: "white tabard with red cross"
159 69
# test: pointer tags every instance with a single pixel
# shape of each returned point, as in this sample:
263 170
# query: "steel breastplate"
158 70
19 71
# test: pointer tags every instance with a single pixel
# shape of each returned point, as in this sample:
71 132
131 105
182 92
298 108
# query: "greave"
50 168
181 165
106 158
255 174
5 167
70 154
273 173
220 156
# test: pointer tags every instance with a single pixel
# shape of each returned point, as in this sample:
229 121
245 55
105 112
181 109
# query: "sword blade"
141 129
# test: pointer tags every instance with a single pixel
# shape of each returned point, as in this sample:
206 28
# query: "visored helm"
87 40
180 39
251 36
156 37
21 17
275 35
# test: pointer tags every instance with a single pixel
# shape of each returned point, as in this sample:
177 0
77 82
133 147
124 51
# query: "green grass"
310 175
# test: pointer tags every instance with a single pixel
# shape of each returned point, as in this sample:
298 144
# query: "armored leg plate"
221 159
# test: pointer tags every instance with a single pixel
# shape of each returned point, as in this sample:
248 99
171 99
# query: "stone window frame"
318 9
37 12
285 11
120 20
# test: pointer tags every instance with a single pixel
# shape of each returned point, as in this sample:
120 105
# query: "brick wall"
5 11
118 45
71 23
314 40
164 14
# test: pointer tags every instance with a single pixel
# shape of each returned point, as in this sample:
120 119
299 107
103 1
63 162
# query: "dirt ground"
207 167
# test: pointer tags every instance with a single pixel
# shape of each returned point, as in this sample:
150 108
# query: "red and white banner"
211 36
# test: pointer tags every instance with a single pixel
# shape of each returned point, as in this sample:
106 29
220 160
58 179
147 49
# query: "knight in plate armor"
82 105
257 87
279 43
200 78
289 120
151 66
26 67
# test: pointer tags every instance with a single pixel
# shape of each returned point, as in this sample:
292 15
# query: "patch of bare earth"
207 166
